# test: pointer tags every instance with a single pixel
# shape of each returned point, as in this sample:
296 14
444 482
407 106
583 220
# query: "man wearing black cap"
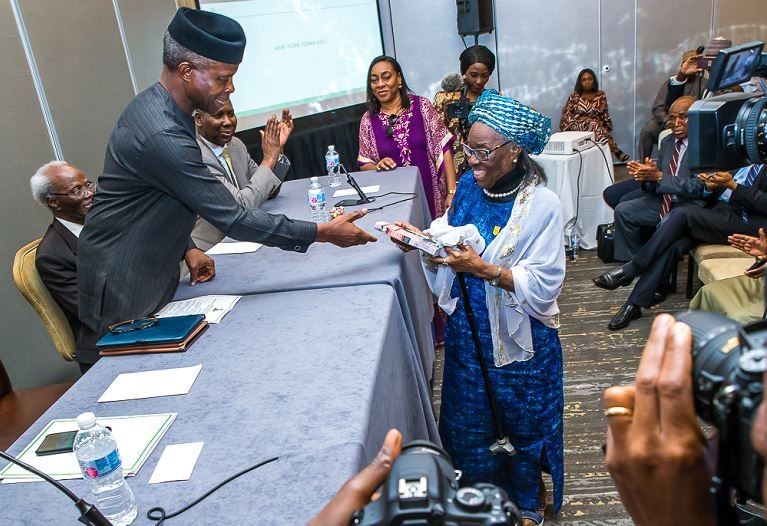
155 184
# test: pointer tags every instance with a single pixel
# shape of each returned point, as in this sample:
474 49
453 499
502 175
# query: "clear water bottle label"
102 466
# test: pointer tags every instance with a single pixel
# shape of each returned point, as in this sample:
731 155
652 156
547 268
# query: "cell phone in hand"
757 264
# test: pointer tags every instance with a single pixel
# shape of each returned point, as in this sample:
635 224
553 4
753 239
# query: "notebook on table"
171 334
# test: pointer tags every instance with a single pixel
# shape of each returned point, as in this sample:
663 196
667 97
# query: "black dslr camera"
422 490
728 363
729 131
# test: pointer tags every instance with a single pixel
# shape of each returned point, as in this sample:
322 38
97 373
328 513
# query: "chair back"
35 292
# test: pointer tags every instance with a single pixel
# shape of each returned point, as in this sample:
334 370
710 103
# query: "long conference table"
314 364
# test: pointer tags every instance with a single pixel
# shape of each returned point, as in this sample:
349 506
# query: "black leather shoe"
626 315
613 279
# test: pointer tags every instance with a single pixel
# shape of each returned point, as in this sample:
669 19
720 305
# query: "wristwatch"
497 279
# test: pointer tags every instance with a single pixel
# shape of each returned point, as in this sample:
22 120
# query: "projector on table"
565 143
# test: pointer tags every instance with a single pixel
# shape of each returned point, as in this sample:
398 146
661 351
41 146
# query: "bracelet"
497 279
451 192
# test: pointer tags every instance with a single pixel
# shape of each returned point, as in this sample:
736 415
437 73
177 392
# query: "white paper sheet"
151 384
136 438
214 307
236 247
351 191
177 462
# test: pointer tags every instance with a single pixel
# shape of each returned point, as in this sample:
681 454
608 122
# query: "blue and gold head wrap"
512 119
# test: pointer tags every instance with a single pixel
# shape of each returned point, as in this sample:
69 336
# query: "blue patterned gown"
528 394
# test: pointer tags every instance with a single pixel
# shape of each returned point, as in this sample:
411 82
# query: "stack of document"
136 438
214 307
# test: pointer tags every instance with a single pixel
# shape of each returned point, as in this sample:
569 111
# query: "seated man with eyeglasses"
665 186
67 193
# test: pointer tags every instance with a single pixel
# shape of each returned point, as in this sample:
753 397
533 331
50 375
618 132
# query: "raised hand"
270 142
286 126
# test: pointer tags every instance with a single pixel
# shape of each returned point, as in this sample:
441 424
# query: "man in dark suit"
740 208
68 194
667 185
154 186
228 159
687 82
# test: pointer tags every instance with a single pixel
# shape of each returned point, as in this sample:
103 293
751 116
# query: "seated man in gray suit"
227 158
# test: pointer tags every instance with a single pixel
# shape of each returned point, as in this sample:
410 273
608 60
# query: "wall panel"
427 43
26 350
144 23
84 70
541 50
617 51
740 20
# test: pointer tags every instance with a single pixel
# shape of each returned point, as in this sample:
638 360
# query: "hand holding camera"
655 449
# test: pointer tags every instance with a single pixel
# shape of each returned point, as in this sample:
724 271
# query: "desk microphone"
89 514
363 199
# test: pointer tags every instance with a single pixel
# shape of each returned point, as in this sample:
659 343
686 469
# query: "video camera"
728 363
729 131
422 490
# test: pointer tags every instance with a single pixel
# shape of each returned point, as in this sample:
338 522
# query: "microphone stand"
363 199
502 443
89 514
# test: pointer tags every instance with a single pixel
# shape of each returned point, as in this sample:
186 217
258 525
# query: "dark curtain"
310 140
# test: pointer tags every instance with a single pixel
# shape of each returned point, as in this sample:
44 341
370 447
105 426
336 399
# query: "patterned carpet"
595 358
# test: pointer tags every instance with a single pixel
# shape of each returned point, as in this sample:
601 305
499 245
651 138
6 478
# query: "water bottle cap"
86 420
332 147
315 179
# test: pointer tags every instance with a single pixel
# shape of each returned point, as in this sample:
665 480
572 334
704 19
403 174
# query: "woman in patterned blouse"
586 110
402 129
477 63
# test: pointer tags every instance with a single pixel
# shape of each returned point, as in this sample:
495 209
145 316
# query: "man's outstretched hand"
359 490
342 231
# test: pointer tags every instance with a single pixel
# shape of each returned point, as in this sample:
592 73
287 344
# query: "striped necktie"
748 183
228 160
666 205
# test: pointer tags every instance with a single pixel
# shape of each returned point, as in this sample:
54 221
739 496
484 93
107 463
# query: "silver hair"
173 54
40 182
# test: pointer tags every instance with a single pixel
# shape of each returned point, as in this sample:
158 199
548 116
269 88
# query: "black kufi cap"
211 35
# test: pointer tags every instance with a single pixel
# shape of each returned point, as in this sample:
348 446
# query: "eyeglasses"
78 192
392 122
133 325
674 118
482 154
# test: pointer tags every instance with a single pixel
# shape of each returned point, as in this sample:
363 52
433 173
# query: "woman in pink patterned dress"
586 110
402 129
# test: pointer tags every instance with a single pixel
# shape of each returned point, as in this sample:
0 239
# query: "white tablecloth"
589 172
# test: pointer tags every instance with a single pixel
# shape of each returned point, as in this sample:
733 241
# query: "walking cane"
502 445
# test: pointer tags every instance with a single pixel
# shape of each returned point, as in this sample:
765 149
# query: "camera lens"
715 351
752 120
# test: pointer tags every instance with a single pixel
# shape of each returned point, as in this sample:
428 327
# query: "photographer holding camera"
655 448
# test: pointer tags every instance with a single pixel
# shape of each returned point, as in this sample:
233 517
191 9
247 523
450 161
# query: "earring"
400 85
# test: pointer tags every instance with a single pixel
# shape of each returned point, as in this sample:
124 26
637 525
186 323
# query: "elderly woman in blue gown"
513 279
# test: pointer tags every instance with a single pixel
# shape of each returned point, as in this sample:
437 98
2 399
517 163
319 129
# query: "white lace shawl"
532 246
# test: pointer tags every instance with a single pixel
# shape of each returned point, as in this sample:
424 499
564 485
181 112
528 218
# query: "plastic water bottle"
575 241
100 462
332 162
317 201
